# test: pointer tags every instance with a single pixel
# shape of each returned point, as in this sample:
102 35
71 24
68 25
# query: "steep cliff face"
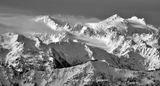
113 52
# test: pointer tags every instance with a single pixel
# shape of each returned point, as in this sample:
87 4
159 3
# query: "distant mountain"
112 52
53 23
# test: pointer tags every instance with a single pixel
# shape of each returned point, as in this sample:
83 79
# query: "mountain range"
112 52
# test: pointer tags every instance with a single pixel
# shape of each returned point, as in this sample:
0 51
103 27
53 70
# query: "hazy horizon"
148 9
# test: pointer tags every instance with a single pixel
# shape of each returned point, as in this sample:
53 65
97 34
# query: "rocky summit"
112 52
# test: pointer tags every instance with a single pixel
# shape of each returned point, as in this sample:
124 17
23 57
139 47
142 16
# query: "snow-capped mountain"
119 35
82 54
113 21
53 23
115 35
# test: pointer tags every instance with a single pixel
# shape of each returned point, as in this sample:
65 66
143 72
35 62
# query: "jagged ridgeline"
112 52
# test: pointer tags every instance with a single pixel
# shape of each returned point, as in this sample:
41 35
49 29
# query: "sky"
101 9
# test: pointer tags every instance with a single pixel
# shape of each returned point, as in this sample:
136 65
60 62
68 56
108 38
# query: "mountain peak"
53 23
113 18
135 19
113 21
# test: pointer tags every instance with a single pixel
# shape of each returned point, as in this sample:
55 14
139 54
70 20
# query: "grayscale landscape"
79 43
